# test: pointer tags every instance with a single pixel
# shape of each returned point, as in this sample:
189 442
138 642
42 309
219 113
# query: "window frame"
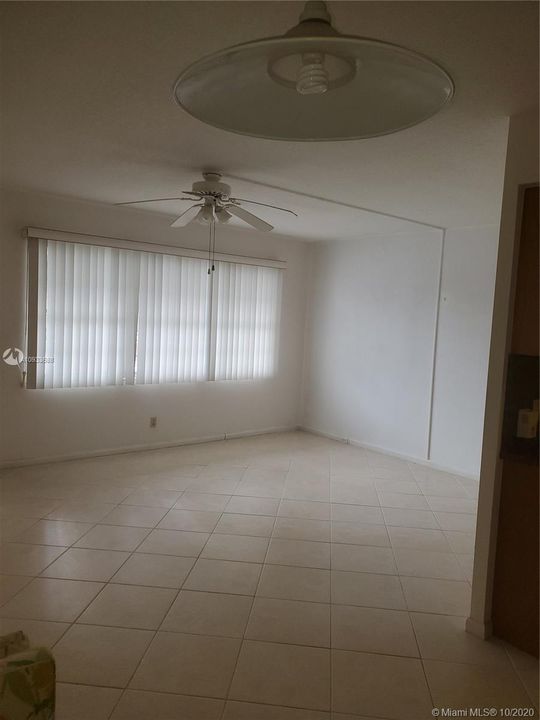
34 235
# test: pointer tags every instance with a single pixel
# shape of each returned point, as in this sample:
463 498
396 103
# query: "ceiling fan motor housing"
212 185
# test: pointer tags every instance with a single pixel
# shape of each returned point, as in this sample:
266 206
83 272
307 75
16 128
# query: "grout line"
262 566
241 644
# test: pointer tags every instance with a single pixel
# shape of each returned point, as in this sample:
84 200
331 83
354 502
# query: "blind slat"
111 316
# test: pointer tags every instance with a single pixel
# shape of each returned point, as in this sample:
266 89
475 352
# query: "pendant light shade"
314 84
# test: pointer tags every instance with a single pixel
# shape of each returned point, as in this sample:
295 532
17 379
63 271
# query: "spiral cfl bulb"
312 77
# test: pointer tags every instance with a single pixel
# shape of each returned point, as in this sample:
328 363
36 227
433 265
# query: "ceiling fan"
213 202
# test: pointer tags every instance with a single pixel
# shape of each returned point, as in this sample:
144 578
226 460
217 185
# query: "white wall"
49 423
370 340
370 343
466 305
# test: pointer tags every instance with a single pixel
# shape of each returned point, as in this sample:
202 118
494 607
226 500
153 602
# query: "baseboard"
103 452
482 630
264 431
322 433
386 451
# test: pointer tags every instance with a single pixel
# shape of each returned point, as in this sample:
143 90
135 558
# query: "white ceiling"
88 110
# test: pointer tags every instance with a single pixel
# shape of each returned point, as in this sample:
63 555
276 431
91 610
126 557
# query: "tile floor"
280 577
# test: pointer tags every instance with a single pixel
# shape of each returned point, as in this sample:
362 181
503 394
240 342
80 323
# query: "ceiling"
88 110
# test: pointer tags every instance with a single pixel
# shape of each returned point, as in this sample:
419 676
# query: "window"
115 316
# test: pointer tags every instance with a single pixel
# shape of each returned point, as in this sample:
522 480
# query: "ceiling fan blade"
187 216
138 202
254 202
249 218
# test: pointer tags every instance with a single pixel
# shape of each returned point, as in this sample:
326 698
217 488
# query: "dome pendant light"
313 83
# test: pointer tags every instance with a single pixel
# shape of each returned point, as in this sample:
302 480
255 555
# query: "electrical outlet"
153 421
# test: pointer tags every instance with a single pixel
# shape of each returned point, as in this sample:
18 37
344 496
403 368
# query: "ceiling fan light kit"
314 83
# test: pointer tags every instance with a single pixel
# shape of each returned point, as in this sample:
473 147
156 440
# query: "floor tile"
354 493
183 470
446 597
357 514
27 507
105 656
224 576
300 529
278 674
379 685
265 498
14 528
54 532
135 516
256 473
23 559
202 501
456 522
301 553
174 542
259 525
444 638
113 537
309 488
165 483
204 613
153 498
252 505
289 621
403 500
466 563
363 558
218 486
261 488
373 630
10 586
104 493
304 509
130 606
223 471
85 702
142 705
460 542
154 570
403 487
86 564
360 534
459 505
188 664
402 517
425 563
235 710
442 488
418 539
460 685
81 511
294 583
47 599
235 547
526 666
379 591
191 520
39 632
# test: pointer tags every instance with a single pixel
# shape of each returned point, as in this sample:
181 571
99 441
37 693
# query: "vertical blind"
173 326
110 316
246 321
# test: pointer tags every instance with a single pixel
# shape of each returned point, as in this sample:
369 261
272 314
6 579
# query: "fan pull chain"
212 248
213 230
